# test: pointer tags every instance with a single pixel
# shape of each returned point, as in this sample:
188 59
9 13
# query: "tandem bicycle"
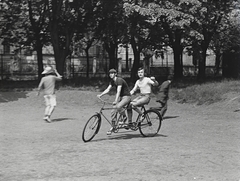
148 123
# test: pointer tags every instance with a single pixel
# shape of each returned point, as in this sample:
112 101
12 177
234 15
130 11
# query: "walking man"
48 83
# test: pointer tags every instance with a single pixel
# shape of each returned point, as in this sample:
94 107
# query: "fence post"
120 66
94 66
1 66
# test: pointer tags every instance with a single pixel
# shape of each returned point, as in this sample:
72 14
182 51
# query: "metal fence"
15 67
23 67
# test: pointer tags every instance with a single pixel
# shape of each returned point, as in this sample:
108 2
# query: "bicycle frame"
111 108
148 123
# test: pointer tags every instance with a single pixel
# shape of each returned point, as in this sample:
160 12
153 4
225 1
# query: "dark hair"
170 77
112 71
140 68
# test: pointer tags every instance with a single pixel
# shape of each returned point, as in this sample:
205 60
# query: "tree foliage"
146 24
199 20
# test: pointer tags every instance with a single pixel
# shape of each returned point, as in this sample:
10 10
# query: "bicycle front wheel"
91 128
151 123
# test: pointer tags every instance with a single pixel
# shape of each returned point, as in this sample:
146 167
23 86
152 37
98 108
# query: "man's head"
141 72
170 77
112 73
48 70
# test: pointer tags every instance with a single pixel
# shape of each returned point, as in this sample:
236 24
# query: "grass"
205 93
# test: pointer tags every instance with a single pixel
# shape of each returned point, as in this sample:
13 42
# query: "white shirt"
145 85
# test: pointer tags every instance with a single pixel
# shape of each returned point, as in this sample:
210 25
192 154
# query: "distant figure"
48 83
68 67
162 96
94 66
13 65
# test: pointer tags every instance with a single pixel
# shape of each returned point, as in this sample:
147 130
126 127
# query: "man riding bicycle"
122 98
144 84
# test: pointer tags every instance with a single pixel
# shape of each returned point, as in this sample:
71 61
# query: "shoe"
47 119
120 123
110 131
123 121
128 126
133 126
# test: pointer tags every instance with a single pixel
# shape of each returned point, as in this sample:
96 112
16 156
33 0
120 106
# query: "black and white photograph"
119 90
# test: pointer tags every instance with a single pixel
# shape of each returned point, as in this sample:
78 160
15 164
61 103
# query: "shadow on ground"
122 136
12 96
61 119
170 117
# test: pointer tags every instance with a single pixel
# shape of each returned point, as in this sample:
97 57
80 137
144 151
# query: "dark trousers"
162 108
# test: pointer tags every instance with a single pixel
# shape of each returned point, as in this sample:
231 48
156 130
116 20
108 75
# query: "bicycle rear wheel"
151 123
91 128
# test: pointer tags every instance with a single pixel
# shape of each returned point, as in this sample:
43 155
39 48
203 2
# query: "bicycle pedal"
115 129
134 128
120 123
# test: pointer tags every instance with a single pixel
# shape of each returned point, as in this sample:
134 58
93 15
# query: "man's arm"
134 88
119 88
59 77
105 91
153 81
39 87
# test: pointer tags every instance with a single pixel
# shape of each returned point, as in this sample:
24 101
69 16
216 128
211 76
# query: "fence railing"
26 68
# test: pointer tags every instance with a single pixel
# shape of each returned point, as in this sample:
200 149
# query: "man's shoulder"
147 79
165 83
120 80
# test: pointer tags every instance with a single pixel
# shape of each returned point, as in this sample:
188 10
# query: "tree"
66 17
37 11
207 18
111 27
226 43
85 44
14 19
168 15
25 25
85 37
231 46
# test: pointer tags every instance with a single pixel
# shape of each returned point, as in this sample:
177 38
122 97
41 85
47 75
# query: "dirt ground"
194 143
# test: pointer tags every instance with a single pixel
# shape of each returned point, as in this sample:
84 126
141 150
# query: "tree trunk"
217 63
61 36
231 64
202 61
177 51
60 57
111 50
39 60
178 67
127 68
136 62
87 55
